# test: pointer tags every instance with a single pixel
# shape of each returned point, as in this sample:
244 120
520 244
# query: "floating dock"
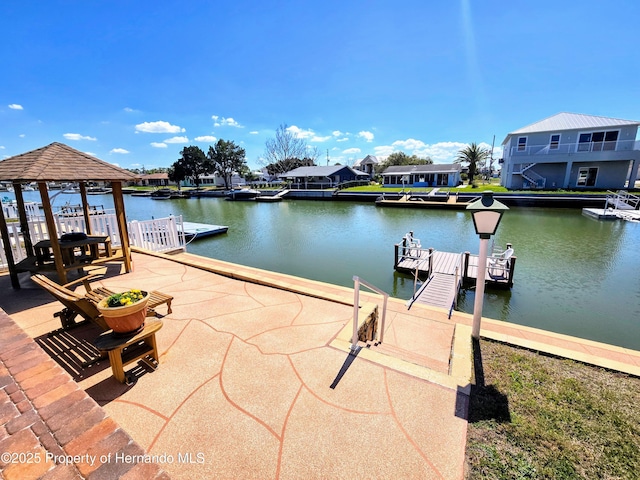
193 231
618 205
444 201
447 272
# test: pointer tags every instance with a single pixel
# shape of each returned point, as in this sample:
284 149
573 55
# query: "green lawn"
537 416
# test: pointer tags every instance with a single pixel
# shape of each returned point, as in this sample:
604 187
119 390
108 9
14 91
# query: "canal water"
574 275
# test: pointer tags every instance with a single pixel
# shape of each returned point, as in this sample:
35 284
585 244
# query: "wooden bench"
124 350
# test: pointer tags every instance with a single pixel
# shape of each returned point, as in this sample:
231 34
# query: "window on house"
597 141
554 142
522 144
587 176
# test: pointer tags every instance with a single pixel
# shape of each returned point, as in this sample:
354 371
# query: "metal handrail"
456 285
356 306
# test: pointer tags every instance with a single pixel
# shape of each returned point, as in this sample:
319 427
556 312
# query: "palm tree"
473 155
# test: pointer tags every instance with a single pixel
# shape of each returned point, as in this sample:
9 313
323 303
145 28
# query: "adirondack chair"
85 305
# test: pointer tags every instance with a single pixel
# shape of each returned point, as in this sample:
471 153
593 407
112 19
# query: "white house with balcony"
570 150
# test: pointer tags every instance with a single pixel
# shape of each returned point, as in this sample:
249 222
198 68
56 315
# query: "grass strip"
537 416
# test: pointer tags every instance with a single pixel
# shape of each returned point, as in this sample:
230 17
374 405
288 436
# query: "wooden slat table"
124 350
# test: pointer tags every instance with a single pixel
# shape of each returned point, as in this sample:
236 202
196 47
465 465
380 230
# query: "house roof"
571 121
320 171
431 168
155 176
59 162
369 159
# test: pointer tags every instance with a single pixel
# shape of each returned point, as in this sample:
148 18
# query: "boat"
243 194
98 190
162 194
176 195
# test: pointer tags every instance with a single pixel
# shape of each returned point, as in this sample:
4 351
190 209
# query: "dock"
447 272
193 231
272 198
431 200
620 205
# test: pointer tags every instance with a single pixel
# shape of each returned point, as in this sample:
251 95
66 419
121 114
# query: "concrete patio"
244 384
256 380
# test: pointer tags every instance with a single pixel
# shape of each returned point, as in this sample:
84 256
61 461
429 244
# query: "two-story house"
367 165
573 151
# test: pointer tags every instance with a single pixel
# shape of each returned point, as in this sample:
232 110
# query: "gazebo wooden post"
85 208
6 241
118 203
24 223
53 232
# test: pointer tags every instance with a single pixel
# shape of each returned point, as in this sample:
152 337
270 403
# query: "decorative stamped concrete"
257 380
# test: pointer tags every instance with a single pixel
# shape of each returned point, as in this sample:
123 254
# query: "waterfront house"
433 175
574 151
322 176
367 165
160 179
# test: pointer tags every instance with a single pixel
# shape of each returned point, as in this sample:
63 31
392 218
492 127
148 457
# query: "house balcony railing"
576 148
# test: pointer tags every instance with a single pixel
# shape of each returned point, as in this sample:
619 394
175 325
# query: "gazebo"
59 163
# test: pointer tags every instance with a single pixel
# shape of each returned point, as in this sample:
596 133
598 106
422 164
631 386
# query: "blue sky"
133 82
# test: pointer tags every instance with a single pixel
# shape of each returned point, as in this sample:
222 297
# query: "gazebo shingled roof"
59 162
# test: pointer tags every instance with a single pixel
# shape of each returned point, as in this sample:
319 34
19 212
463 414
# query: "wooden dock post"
465 267
395 260
512 267
430 260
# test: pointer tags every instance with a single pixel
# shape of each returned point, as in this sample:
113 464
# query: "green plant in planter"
125 298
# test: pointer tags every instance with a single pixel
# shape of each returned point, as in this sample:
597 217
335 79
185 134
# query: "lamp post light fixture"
486 214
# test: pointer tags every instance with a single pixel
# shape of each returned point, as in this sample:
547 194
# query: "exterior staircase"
529 174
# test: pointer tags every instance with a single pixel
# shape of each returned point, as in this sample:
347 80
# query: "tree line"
286 152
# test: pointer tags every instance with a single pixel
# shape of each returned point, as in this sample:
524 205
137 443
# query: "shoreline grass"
537 416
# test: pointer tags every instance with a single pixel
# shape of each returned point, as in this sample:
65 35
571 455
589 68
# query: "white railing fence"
158 235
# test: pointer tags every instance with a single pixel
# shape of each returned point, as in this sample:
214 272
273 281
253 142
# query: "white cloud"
342 139
128 109
205 138
299 133
1 147
254 132
222 121
77 136
182 139
119 150
319 139
158 145
441 152
15 106
383 151
93 154
368 136
351 151
22 135
158 127
337 133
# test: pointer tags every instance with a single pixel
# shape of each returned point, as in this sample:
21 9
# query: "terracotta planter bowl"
127 318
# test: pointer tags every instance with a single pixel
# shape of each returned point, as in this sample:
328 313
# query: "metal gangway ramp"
442 287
